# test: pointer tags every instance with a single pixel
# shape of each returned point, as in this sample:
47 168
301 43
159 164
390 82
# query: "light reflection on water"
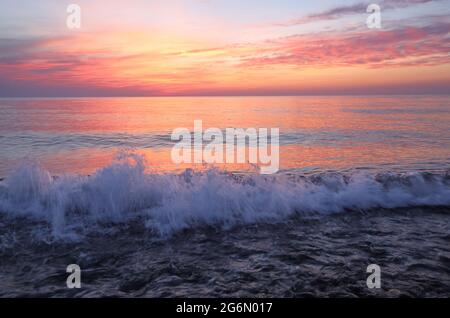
316 133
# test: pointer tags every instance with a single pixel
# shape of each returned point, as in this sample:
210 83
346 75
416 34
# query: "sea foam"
170 202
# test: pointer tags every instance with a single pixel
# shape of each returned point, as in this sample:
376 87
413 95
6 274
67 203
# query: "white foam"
172 202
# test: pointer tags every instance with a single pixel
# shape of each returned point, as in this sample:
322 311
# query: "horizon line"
232 95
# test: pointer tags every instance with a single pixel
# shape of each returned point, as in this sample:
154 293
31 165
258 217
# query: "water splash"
167 203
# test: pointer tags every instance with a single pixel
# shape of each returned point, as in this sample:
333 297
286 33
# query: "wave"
42 141
167 203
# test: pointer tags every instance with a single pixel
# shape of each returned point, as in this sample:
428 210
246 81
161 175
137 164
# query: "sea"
362 180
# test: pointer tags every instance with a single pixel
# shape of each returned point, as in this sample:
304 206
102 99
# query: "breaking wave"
123 192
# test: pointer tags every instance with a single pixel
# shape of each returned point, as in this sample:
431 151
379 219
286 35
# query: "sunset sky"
223 47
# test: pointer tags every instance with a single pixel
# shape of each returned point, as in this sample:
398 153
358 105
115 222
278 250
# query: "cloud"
96 64
403 46
358 8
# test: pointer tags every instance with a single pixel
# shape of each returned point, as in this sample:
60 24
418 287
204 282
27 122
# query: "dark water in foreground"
323 256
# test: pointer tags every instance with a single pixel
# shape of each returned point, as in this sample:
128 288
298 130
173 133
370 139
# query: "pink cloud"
370 48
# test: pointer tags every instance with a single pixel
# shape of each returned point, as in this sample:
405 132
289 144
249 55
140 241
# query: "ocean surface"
362 180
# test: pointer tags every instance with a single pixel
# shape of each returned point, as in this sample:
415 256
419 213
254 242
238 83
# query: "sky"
223 47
